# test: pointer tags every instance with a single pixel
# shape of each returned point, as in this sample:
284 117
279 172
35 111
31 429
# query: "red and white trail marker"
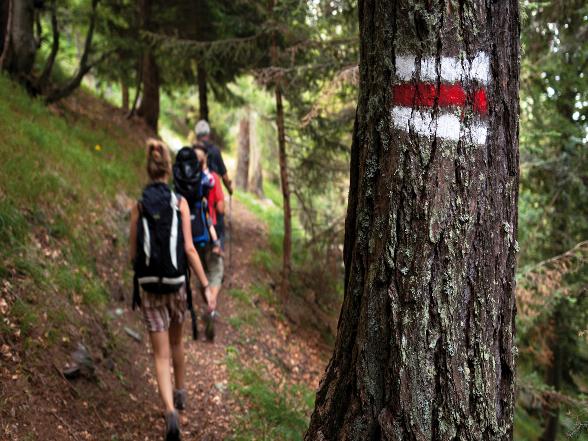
431 100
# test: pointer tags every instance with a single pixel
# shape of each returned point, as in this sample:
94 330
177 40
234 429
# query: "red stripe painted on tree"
448 95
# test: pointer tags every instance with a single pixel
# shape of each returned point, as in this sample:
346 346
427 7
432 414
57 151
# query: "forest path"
291 358
118 400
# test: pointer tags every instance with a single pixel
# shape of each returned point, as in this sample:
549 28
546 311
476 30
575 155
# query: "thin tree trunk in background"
287 243
139 82
45 76
242 175
149 107
555 379
202 92
425 345
124 88
255 184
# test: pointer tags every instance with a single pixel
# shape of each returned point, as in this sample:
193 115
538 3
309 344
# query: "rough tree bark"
425 347
255 184
149 106
18 56
242 175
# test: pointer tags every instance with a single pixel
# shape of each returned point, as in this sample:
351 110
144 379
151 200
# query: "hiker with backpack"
213 261
197 185
161 246
215 158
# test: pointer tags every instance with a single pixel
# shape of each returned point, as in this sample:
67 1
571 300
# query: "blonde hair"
158 159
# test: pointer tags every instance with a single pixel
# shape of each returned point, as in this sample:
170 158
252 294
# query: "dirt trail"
120 400
211 408
209 411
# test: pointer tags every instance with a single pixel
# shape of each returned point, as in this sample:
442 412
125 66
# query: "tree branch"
46 74
84 67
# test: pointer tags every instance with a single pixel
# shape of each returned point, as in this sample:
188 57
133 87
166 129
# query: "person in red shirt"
213 260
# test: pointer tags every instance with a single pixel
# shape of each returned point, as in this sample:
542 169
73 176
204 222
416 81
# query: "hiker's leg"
161 354
215 278
177 349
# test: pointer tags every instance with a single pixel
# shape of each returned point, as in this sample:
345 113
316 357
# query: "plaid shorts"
161 310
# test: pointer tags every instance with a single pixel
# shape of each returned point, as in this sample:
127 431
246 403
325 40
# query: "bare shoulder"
184 206
135 211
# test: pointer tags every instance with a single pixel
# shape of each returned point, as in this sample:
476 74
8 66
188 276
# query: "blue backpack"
190 182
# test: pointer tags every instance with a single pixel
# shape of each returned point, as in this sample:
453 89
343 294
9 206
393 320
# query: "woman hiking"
160 246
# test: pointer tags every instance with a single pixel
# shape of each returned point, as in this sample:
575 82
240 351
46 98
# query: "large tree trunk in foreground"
425 346
255 184
18 56
242 175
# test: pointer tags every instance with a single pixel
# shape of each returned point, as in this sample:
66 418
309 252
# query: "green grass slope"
67 174
57 176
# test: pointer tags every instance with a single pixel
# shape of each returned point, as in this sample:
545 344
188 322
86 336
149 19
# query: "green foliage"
271 412
54 178
552 280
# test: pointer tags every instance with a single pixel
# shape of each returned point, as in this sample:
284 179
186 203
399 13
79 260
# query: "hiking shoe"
180 396
172 426
209 320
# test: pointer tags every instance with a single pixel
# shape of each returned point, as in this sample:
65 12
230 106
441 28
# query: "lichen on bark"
425 347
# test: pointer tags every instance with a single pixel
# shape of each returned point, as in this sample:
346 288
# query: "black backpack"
160 263
188 178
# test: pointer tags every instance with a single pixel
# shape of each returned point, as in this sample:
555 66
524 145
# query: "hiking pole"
230 239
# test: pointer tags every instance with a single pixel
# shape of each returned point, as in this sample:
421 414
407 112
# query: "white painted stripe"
146 241
405 67
446 126
480 68
173 240
452 69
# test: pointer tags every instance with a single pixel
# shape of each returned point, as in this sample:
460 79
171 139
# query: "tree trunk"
255 184
551 413
4 24
45 77
242 176
18 57
202 92
287 244
124 88
425 346
85 65
149 108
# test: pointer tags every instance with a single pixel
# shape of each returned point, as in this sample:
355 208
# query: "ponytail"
158 160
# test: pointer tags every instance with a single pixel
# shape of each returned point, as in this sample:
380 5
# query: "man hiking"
160 248
215 158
